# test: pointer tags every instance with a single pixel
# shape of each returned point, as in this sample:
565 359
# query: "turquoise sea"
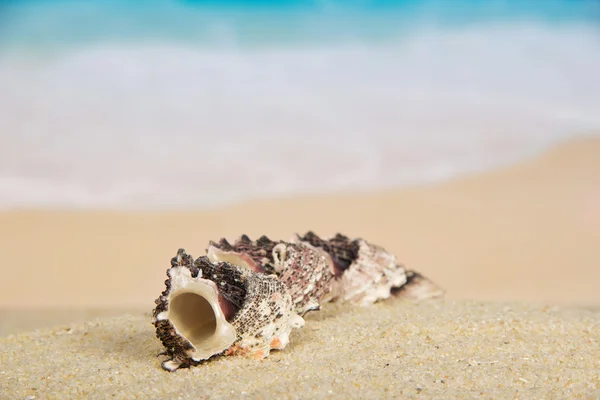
164 104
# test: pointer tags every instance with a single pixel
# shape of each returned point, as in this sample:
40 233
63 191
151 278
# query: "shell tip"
417 287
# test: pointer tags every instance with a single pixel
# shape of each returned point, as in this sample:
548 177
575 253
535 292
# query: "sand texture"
16 321
394 349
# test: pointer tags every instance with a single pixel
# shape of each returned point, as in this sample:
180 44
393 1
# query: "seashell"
367 273
307 271
212 308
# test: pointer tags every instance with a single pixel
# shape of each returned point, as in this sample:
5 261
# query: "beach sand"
528 234
394 349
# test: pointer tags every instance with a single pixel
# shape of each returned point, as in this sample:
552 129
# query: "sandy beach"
516 249
392 350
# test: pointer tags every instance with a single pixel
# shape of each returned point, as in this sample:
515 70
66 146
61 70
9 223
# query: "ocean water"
168 104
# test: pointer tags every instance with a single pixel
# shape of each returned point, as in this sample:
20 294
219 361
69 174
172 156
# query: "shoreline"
508 164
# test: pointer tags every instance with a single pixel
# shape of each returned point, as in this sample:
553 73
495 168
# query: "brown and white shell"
211 308
367 273
307 271
245 298
255 255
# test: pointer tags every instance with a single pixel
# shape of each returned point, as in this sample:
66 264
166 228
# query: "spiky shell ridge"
307 271
342 250
256 255
262 320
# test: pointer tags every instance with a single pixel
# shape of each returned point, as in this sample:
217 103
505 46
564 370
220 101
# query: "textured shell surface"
372 275
255 255
342 250
210 308
307 271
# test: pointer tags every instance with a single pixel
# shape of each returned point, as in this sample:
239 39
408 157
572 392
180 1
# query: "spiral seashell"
245 298
208 309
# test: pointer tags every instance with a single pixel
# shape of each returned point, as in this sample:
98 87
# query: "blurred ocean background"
165 104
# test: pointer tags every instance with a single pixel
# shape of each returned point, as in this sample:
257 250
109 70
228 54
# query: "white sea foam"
182 125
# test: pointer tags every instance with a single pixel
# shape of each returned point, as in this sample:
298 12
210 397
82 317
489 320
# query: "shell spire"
367 273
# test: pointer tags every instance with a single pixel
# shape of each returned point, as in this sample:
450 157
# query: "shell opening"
197 314
193 316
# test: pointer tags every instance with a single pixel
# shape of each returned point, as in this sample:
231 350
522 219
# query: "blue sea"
169 104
